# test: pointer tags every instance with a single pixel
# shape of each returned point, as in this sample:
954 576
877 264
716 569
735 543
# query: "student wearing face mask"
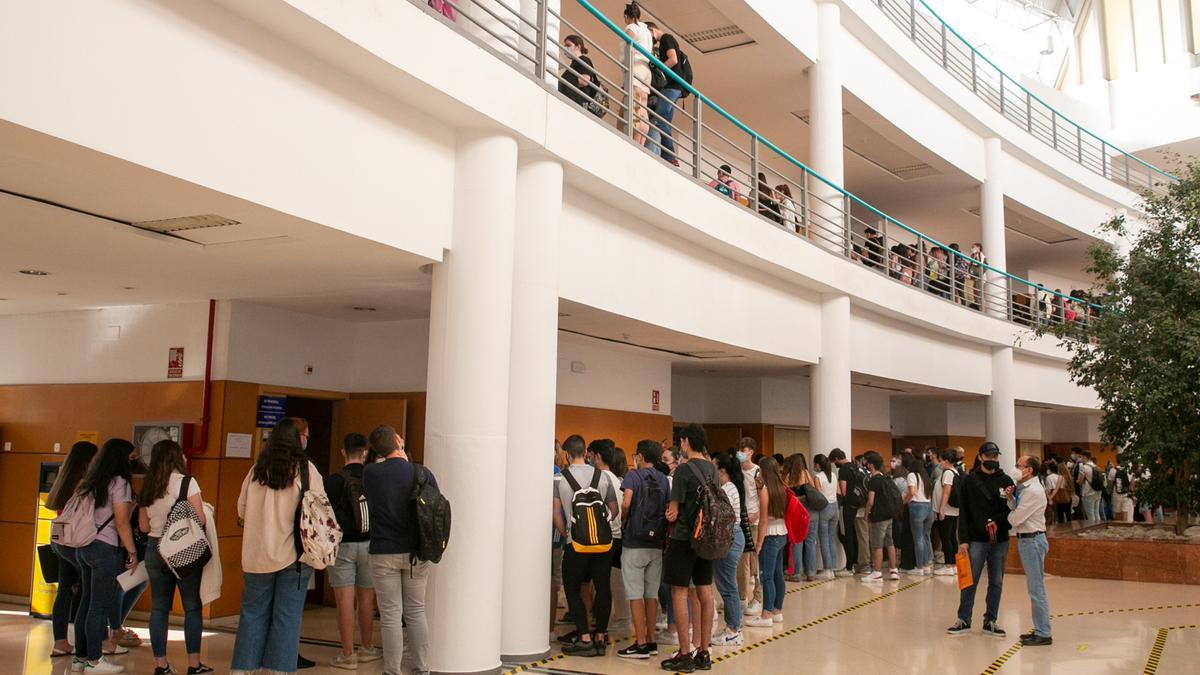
1027 499
983 530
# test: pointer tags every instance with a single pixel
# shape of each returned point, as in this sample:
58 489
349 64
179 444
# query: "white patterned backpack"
183 546
317 532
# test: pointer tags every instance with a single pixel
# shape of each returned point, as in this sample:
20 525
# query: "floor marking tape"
534 664
808 586
1160 643
1125 610
1000 661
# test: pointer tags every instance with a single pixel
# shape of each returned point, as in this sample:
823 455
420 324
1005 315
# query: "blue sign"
271 409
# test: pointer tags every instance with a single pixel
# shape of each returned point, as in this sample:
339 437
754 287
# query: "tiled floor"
835 627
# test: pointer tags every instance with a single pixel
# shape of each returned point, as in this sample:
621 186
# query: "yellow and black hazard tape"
1160 643
805 587
1124 610
1002 659
815 622
533 664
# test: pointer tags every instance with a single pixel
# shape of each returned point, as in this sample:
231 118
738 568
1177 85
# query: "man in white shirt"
1027 502
1088 496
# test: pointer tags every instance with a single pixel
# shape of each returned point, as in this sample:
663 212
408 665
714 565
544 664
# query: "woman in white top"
160 490
729 475
920 513
274 581
640 67
787 207
772 540
827 520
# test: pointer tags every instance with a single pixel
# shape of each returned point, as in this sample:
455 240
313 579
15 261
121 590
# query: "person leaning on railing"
578 80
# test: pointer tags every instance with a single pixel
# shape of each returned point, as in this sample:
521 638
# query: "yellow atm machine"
41 592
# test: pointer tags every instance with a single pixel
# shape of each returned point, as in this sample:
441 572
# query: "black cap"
989 448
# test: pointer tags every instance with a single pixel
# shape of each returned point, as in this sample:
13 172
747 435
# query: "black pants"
948 527
1063 512
598 567
849 537
906 550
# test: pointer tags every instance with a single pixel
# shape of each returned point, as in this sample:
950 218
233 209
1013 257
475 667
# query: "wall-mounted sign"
271 409
655 400
175 362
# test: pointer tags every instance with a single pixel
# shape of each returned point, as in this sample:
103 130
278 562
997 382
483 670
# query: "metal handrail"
825 217
1062 134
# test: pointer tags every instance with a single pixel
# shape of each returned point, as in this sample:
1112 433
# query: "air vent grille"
186 223
713 33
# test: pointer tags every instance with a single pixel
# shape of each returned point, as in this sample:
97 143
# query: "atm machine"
41 592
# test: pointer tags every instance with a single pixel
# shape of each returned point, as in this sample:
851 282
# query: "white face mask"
742 456
1016 474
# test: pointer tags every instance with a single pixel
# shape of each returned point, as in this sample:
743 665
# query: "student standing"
730 476
983 532
920 513
772 539
947 515
162 487
274 580
1028 519
65 483
749 581
350 576
828 523
880 510
644 500
847 477
399 578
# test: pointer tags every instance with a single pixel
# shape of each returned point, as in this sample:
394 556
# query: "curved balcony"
1001 92
713 147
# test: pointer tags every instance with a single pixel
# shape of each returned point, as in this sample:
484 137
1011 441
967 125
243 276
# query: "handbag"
598 103
963 562
48 561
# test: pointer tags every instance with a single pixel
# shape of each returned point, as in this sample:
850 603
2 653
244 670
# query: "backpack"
183 545
955 489
1121 482
76 526
648 519
813 499
856 491
796 518
1098 479
431 517
712 533
354 504
317 532
888 502
590 531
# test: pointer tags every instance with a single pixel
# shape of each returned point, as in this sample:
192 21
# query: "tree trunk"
1182 512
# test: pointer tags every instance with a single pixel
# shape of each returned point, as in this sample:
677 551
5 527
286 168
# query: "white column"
495 23
991 210
466 438
525 618
831 379
1001 407
827 223
531 17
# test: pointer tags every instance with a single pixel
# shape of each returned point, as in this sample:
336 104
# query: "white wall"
966 418
870 409
918 416
115 344
274 346
1029 423
897 350
1041 380
615 377
787 401
390 356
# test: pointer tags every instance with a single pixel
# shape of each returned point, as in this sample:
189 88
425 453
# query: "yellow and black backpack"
590 532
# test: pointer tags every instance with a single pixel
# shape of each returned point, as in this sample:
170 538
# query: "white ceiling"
270 257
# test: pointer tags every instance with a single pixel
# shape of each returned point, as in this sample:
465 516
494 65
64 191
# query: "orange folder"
963 562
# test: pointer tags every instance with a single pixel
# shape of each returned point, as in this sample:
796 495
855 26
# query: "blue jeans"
268 634
810 544
770 565
162 596
68 577
992 555
123 604
920 519
1091 506
827 533
99 565
726 579
1033 557
660 141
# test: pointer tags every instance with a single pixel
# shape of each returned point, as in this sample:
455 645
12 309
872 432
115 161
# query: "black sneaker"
199 669
650 648
1030 634
703 660
990 628
634 651
679 663
1036 641
302 663
568 638
165 670
960 627
581 648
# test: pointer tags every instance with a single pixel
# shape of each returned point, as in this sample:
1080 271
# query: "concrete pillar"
496 24
1001 407
827 222
466 436
831 379
991 211
530 14
532 382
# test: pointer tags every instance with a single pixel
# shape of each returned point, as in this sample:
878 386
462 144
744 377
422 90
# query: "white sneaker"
948 571
661 623
369 654
77 665
777 618
843 573
873 577
894 575
727 638
757 621
826 575
754 608
665 637
103 666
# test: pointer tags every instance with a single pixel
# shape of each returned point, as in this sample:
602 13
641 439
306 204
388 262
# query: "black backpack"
1121 482
648 519
712 531
888 502
590 531
431 517
856 491
1098 479
354 504
955 489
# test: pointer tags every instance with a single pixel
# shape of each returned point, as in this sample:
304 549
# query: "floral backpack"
317 532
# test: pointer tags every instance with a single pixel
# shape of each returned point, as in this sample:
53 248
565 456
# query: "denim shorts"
881 534
352 567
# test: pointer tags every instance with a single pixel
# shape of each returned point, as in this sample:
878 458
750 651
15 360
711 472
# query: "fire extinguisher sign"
654 400
175 362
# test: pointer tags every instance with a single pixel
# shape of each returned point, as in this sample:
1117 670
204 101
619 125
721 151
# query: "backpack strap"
183 488
570 480
596 479
696 472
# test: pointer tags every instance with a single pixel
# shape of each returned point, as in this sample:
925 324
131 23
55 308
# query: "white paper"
133 577
238 445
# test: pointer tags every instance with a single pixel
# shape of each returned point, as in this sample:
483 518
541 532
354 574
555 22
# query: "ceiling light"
363 308
35 273
128 288
62 293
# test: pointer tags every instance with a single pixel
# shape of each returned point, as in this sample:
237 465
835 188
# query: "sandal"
56 652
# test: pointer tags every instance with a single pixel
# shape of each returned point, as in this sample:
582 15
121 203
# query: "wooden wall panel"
16 564
862 441
363 415
18 484
625 428
229 604
232 472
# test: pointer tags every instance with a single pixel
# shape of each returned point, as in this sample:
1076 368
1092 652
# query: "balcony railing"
1005 95
714 148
